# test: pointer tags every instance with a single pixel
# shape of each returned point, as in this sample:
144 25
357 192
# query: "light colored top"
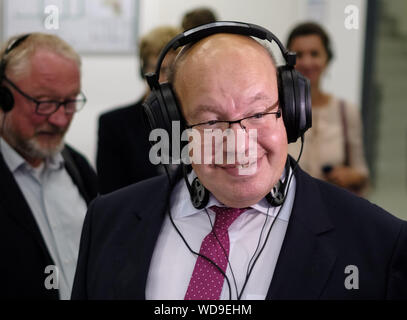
172 263
324 143
58 209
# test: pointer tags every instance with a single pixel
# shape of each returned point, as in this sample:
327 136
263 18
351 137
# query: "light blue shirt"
58 209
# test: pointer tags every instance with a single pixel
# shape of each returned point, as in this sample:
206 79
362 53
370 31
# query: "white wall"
109 81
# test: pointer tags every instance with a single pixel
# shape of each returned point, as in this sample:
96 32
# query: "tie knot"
225 216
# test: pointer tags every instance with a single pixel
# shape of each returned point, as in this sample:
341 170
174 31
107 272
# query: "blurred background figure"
197 17
333 149
123 145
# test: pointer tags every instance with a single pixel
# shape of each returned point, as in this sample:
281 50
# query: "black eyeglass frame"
257 115
58 104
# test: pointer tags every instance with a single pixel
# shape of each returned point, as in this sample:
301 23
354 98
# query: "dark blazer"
123 148
24 253
329 229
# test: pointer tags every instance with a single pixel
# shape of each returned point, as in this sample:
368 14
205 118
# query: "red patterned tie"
207 281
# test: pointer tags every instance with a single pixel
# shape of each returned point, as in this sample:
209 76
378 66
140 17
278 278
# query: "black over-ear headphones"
6 97
161 106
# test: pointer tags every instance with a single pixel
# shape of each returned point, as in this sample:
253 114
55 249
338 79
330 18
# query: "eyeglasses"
255 121
48 107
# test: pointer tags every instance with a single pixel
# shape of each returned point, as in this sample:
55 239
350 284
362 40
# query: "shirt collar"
15 161
181 205
11 157
55 162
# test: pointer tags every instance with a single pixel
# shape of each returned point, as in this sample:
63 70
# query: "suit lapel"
307 256
16 207
136 257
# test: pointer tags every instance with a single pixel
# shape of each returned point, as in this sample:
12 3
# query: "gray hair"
18 59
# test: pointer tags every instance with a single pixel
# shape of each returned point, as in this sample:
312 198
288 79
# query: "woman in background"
333 149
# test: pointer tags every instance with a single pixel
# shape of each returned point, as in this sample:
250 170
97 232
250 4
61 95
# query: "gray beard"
31 149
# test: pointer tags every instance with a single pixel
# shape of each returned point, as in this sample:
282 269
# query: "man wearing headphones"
258 228
45 185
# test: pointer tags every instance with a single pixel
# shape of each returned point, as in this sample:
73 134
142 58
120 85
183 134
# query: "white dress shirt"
58 209
172 263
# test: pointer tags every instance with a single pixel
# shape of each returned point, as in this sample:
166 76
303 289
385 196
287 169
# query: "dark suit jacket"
329 229
123 148
24 254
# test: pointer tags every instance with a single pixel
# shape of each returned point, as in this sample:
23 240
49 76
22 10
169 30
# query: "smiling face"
312 58
51 77
228 77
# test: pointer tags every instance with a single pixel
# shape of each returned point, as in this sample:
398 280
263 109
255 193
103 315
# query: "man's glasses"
48 107
256 121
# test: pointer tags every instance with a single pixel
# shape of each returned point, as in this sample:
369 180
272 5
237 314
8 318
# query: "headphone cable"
258 242
264 225
278 213
3 121
186 243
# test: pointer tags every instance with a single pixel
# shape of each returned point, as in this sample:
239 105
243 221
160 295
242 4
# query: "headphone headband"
203 31
14 44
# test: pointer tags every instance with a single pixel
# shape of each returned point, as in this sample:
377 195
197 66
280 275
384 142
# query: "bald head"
210 48
235 56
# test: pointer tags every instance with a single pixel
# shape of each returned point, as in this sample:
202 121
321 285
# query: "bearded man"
45 186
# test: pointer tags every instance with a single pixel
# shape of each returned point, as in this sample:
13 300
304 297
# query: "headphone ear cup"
6 99
150 106
200 195
287 101
172 108
304 108
161 109
295 96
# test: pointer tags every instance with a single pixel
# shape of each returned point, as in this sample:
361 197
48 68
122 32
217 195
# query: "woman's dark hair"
311 28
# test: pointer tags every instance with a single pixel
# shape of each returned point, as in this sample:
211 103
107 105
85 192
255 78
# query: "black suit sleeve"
87 173
397 285
79 290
